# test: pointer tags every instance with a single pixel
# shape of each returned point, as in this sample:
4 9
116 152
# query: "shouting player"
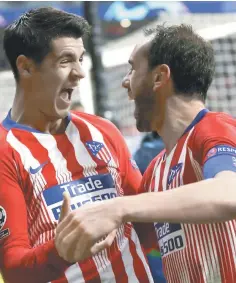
47 151
191 184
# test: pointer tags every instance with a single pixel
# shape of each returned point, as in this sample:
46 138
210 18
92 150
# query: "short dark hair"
189 57
32 33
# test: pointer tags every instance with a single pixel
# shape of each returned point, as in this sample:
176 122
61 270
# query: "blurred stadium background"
117 27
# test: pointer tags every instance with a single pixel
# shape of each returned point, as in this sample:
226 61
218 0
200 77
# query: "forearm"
41 264
212 200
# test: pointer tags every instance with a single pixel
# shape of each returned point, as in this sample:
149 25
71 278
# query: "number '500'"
172 244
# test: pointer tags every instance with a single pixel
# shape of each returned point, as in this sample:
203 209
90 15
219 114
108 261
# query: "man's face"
53 81
139 84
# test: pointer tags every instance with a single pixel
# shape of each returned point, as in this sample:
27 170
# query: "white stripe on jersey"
83 157
28 160
183 268
123 246
56 157
81 153
157 176
38 182
183 156
125 253
232 238
196 166
166 169
214 258
74 274
97 136
134 238
112 164
210 245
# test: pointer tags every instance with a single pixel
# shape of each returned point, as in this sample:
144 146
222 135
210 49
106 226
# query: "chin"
61 114
142 127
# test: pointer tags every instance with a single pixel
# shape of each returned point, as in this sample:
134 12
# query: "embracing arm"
212 200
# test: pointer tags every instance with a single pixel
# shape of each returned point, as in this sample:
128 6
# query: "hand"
79 231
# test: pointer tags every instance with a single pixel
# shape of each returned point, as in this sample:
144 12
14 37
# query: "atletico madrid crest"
99 150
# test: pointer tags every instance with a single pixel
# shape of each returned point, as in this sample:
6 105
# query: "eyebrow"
70 53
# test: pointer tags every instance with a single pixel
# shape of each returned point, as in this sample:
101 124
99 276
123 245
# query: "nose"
126 82
77 72
126 85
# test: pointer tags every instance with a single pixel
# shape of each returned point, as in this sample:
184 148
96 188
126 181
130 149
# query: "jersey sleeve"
217 147
19 261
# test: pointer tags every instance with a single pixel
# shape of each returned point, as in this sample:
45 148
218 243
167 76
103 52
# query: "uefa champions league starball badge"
3 217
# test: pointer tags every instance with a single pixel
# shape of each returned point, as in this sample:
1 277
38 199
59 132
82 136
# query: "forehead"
67 43
140 52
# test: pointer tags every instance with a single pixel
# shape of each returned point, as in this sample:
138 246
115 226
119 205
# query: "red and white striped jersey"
194 253
92 163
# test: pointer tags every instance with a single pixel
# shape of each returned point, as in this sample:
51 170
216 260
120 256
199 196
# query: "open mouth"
66 94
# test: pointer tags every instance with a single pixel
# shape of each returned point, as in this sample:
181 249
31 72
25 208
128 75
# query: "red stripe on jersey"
160 188
114 255
227 252
68 152
139 268
40 153
89 271
192 257
218 246
85 136
190 177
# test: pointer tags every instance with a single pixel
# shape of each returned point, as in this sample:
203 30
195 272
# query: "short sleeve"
216 143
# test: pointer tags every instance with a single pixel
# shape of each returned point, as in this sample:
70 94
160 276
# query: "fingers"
65 209
104 244
69 249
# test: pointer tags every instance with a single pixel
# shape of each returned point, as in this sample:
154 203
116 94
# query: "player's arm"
19 261
210 200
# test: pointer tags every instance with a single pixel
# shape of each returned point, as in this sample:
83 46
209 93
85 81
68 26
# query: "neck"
25 113
179 114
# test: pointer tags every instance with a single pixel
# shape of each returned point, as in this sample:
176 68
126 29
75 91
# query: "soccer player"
47 151
192 184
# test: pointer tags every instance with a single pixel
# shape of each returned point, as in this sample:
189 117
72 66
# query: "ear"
24 66
161 75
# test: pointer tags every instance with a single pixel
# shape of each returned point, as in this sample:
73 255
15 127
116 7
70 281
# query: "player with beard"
191 195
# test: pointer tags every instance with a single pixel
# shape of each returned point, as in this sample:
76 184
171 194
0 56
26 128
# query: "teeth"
65 95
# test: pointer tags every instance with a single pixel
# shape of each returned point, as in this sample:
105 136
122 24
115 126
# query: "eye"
65 61
81 59
130 69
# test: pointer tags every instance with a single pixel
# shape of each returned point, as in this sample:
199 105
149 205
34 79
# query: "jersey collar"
197 119
9 124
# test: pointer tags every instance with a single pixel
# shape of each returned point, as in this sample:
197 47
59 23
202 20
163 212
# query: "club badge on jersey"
99 150
174 172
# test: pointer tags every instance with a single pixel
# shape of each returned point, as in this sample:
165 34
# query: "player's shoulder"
216 124
95 120
6 150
